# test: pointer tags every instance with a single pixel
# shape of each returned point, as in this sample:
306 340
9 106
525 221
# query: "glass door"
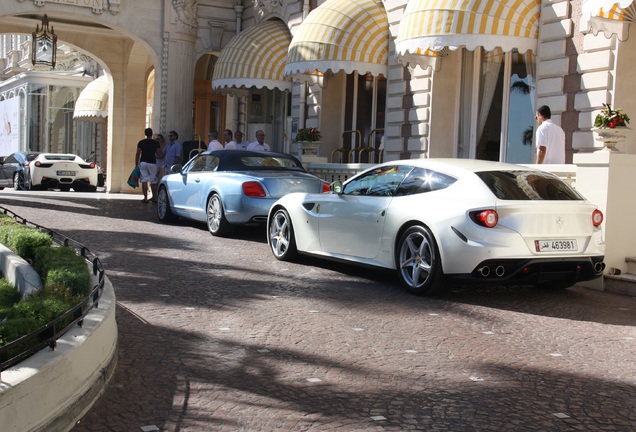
496 106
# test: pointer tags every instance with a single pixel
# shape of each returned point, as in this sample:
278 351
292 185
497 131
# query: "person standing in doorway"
146 158
550 138
240 144
229 143
259 144
214 143
173 150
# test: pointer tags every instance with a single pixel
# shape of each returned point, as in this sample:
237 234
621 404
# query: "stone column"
177 68
177 97
606 179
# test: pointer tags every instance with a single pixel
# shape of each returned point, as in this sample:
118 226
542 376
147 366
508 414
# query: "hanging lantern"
44 45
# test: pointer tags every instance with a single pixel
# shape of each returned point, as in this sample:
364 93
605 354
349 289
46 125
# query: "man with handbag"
148 150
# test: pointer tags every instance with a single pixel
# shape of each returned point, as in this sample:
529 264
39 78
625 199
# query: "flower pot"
611 136
308 148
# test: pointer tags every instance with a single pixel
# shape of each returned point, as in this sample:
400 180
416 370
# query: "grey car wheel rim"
17 182
416 259
162 203
215 212
279 233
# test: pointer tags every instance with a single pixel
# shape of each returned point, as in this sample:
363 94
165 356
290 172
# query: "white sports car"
431 219
61 171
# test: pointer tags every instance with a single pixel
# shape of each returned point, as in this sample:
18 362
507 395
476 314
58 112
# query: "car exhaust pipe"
484 271
499 271
599 267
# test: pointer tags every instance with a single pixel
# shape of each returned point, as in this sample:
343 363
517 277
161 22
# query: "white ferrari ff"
437 219
61 171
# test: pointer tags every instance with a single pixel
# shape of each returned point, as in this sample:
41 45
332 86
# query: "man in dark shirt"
148 150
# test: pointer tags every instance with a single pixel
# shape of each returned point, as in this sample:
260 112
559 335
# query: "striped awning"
254 58
341 35
429 26
92 103
608 16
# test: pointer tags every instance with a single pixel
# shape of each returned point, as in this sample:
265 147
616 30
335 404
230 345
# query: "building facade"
381 80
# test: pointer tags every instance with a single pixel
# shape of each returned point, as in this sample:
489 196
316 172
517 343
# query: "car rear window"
59 157
528 185
270 162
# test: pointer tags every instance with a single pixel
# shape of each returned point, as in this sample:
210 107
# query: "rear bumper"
51 183
535 270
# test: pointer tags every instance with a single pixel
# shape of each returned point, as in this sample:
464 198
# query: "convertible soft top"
245 160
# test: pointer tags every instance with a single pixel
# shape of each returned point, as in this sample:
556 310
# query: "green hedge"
23 240
65 277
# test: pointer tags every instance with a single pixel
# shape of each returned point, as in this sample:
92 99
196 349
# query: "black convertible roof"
233 160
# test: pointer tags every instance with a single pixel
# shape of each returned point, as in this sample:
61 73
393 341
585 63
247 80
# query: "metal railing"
48 334
330 172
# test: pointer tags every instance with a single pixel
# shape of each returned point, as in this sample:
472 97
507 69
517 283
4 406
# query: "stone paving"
217 335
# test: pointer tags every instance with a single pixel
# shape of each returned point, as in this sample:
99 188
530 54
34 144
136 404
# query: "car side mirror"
336 187
176 168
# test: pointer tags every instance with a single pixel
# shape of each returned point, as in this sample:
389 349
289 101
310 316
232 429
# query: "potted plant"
610 126
308 140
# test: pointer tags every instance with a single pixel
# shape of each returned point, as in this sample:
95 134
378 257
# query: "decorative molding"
186 13
216 34
97 6
163 105
113 6
265 7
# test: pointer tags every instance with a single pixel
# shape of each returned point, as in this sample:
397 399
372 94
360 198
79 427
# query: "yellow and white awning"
254 58
341 35
92 103
608 16
429 26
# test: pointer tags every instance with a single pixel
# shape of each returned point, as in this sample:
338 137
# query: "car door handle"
197 179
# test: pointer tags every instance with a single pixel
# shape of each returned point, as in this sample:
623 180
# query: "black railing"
49 334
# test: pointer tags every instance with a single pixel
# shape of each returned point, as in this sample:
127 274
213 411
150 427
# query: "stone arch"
126 55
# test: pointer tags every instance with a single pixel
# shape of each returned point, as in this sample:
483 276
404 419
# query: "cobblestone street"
215 334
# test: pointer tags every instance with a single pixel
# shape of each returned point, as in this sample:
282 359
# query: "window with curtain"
497 106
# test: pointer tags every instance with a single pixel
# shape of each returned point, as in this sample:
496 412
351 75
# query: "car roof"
457 166
225 154
230 160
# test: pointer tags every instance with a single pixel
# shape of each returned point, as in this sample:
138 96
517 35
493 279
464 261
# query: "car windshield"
528 185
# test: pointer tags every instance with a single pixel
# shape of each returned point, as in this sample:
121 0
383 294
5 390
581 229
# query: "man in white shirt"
550 139
214 141
229 143
259 144
240 144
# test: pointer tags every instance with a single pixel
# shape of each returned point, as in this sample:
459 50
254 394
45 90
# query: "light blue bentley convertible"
226 188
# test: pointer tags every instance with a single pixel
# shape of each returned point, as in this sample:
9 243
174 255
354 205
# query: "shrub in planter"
64 273
8 295
30 314
66 281
23 240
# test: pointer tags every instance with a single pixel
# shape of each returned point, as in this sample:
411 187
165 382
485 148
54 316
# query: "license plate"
66 173
555 245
